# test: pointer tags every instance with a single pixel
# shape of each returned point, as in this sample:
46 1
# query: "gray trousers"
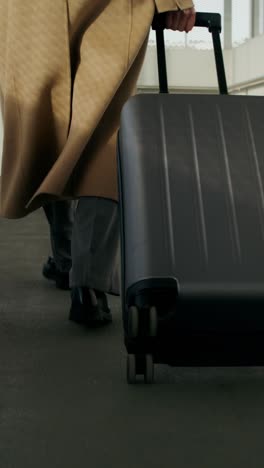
85 241
60 216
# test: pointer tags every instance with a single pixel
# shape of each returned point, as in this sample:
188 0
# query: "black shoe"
49 269
51 272
89 307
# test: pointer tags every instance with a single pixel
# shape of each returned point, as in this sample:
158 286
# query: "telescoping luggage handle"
212 21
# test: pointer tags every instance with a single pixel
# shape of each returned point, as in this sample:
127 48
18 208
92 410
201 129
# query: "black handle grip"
212 21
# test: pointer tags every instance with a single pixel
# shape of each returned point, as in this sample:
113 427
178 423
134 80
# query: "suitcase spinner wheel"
134 319
138 364
153 322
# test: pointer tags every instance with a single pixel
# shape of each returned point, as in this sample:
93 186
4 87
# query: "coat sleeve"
170 5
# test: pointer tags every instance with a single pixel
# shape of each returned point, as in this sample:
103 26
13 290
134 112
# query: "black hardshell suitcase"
191 186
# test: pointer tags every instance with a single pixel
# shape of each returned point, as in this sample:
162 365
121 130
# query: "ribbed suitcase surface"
192 184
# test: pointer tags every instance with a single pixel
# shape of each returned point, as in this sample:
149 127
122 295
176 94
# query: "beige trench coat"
66 69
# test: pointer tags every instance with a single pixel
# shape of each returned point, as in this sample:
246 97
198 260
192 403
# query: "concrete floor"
64 400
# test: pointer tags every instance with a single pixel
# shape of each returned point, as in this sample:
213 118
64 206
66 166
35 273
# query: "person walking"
66 70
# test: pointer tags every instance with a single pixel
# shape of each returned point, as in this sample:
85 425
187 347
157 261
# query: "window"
261 17
241 21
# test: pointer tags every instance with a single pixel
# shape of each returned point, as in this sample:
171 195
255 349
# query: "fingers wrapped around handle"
180 20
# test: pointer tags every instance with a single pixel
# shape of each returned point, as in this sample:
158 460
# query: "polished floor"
64 400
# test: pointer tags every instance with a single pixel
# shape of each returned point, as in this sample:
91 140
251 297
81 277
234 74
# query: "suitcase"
191 188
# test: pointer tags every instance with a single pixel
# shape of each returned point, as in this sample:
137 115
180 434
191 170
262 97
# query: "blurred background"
191 67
